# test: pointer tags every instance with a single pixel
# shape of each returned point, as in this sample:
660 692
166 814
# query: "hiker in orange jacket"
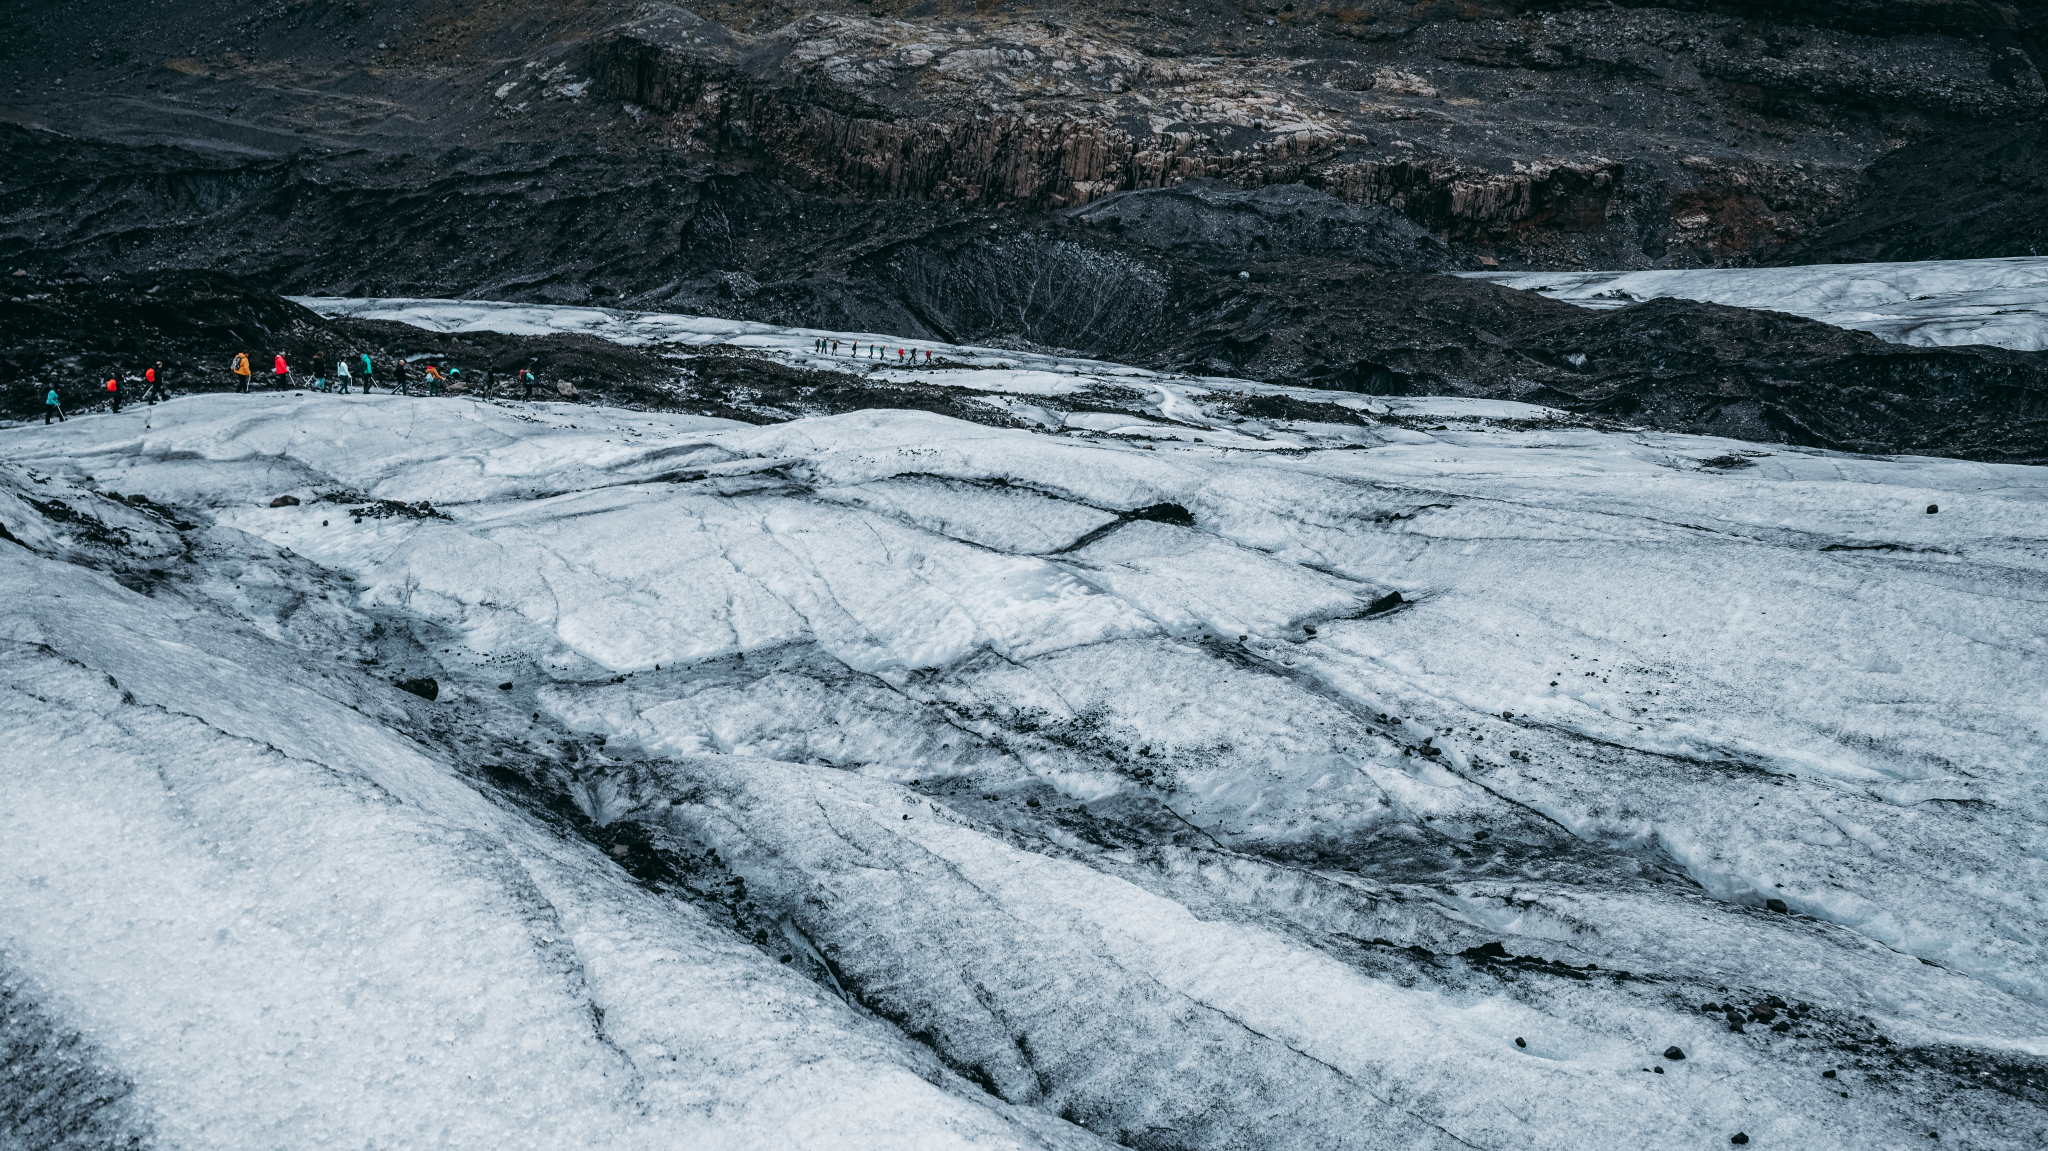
241 368
114 393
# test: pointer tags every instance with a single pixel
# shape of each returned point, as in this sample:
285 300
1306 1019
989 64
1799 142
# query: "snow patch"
1931 303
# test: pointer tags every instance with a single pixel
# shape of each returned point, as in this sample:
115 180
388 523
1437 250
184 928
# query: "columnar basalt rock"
829 138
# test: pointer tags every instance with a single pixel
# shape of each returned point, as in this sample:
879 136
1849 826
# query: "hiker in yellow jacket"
241 369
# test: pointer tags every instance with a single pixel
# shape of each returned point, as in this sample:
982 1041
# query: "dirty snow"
1932 303
1061 788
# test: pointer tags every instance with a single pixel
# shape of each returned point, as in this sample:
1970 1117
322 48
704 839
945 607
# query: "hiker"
927 355
899 355
526 381
398 386
490 378
433 380
281 373
835 347
52 407
241 368
114 393
369 369
341 377
319 378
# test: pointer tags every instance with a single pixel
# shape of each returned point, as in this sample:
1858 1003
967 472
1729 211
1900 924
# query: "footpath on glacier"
1444 773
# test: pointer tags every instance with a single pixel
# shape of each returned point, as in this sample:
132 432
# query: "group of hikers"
358 369
827 346
349 369
154 379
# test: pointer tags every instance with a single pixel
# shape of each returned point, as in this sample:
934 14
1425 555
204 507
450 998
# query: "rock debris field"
1236 768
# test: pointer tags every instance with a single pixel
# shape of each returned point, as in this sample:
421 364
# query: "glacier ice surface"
1078 821
1932 303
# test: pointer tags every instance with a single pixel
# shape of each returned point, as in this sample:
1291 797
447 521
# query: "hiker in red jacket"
280 373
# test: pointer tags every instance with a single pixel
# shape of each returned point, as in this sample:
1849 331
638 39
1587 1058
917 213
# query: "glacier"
1468 776
2001 301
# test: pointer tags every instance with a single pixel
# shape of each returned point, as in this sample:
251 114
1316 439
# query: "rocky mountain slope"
511 149
1973 191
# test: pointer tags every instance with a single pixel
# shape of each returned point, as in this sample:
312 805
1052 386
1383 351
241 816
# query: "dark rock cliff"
318 143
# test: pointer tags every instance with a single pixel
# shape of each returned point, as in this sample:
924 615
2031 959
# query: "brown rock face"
1550 134
1050 115
1033 160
